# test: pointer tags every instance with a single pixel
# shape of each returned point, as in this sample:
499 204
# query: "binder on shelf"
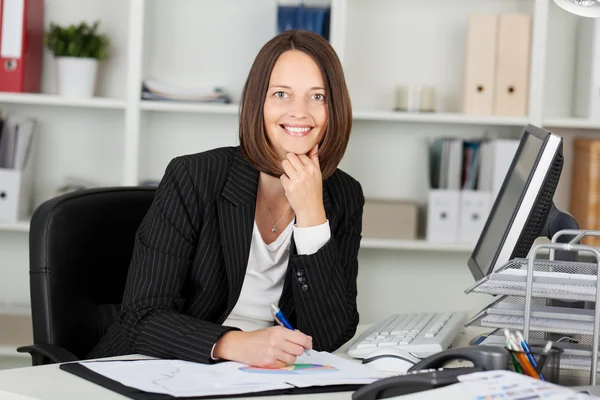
512 75
480 66
443 213
21 45
584 200
443 203
587 72
465 177
475 206
312 18
496 157
16 169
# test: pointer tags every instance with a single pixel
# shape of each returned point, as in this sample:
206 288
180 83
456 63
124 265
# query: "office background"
118 139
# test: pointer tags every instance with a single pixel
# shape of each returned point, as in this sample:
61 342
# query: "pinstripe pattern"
191 253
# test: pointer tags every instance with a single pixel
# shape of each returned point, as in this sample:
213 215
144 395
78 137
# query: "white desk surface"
51 383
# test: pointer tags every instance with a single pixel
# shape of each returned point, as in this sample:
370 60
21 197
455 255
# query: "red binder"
21 45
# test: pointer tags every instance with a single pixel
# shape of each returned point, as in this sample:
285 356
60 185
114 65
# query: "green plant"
77 41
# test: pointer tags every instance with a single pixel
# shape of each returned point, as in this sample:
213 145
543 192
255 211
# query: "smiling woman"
295 109
234 230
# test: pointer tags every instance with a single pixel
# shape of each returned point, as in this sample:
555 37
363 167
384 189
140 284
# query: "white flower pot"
76 76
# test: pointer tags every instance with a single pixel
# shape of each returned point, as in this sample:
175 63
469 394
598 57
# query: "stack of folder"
16 172
312 18
465 178
497 65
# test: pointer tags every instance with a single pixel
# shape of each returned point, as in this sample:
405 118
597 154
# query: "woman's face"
295 109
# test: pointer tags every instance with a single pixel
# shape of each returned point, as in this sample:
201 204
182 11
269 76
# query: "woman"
232 230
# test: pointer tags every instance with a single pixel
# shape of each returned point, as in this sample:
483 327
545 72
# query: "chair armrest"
55 354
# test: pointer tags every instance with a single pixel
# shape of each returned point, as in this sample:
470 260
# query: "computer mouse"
390 359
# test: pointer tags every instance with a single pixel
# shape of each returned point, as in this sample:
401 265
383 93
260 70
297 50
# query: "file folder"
480 68
21 45
475 207
443 212
512 76
587 70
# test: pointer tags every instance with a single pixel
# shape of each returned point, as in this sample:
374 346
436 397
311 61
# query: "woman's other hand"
273 347
303 184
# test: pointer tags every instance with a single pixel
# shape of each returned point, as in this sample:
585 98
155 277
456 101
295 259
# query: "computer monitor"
524 208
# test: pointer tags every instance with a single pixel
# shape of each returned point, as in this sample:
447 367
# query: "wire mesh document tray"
551 279
548 299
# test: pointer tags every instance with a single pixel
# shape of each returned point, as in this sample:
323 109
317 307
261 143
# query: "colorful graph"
294 369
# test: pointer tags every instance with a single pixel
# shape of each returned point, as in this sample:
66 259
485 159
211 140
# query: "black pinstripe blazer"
191 253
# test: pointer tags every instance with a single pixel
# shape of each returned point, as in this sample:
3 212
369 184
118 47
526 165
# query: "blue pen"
282 320
527 351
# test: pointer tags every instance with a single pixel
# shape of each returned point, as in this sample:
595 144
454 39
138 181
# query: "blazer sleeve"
151 313
324 283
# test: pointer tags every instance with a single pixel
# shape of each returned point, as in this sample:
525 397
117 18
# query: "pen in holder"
547 361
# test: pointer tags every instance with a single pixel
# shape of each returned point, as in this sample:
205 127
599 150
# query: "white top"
267 263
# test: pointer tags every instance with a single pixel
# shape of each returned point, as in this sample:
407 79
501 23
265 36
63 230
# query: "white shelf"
439 118
54 100
173 106
20 226
367 115
416 245
578 123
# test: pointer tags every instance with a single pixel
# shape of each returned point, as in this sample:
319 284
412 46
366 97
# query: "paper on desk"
14 396
182 378
508 385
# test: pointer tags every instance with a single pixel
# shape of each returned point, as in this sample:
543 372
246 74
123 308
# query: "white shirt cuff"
212 352
310 239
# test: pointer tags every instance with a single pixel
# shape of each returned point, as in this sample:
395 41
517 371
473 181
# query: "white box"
390 219
474 209
443 216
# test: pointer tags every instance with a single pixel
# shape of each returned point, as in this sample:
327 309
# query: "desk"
48 382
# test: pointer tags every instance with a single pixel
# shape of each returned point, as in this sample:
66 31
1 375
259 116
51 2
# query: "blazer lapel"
236 219
286 302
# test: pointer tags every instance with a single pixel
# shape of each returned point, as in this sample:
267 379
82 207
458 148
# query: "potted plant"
78 50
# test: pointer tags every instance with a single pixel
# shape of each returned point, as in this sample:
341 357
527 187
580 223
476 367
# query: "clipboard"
82 371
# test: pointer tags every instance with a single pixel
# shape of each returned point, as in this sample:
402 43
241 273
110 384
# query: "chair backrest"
80 247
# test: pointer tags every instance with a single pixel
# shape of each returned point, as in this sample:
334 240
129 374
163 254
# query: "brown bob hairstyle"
254 143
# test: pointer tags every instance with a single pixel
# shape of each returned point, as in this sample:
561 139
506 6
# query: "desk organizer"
548 299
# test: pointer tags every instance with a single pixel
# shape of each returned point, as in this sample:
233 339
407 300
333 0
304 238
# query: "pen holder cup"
548 364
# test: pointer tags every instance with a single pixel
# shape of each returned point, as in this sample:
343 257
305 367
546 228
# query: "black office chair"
80 246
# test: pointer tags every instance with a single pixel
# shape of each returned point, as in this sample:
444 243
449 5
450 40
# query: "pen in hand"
282 320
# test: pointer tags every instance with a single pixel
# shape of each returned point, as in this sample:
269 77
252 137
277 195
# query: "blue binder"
315 19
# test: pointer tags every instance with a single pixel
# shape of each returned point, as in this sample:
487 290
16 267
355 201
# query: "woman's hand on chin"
303 185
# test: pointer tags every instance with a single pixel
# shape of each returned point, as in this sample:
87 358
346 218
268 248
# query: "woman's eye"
319 96
281 95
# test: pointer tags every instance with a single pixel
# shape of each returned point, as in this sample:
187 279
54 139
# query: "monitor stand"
556 221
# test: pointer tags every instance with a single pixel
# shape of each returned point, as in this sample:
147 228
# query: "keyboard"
421 334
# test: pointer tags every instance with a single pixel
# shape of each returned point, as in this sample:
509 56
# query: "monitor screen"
513 205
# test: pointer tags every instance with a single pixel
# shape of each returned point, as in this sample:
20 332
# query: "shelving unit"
119 139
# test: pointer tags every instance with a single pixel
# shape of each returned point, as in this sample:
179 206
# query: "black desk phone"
429 374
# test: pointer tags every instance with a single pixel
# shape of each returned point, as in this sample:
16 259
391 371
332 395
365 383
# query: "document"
508 385
183 378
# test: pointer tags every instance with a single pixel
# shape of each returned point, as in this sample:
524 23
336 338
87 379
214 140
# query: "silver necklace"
274 228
